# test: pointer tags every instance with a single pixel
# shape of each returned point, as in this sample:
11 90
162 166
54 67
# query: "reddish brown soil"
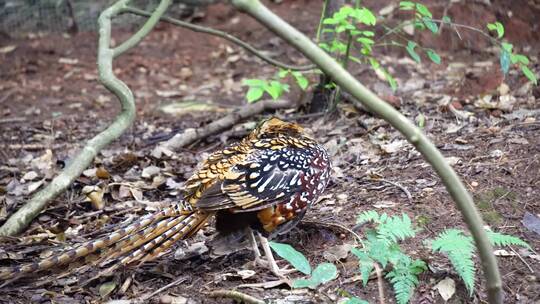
49 102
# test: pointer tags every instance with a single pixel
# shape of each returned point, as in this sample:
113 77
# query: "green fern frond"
459 249
404 277
366 264
396 228
499 239
368 216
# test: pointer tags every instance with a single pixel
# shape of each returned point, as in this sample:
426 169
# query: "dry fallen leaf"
102 173
246 273
31 175
446 288
95 196
7 49
150 171
105 289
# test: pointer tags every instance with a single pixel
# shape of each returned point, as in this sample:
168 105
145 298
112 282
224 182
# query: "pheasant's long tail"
147 237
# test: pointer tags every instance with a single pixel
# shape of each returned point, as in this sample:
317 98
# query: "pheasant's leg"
271 262
254 245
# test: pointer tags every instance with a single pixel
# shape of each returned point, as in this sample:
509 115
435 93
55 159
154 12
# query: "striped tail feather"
117 243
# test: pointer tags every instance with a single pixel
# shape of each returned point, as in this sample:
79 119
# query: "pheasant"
264 184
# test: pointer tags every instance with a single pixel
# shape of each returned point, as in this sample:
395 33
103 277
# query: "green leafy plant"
257 88
348 34
275 87
460 250
508 56
353 39
324 272
382 246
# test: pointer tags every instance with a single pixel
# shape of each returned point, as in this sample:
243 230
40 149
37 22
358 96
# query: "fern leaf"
404 277
499 239
368 216
459 248
396 228
366 264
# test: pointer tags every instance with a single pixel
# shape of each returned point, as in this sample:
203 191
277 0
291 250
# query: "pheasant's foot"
270 262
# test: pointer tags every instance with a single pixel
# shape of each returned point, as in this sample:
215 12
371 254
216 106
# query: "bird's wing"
264 178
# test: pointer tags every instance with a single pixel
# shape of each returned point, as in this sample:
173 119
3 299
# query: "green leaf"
374 63
432 26
303 283
325 47
529 74
301 80
355 300
433 56
330 21
365 262
499 239
325 272
275 89
446 19
518 58
295 258
368 33
498 27
391 81
460 249
406 5
507 46
254 94
365 41
283 73
254 82
365 16
504 60
423 10
410 49
368 216
420 120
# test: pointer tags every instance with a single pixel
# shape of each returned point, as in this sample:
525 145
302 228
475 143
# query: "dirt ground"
51 103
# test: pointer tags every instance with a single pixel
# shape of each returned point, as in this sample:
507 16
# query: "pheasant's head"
274 126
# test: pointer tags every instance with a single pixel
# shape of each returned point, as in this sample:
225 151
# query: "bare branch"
224 35
22 218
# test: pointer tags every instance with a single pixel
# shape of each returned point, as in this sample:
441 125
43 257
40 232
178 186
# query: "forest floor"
487 125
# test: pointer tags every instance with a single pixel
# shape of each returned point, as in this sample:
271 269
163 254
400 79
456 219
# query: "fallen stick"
191 135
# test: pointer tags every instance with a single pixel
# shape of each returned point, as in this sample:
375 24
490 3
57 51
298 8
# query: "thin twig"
522 259
380 283
174 283
236 295
335 225
455 25
407 193
224 35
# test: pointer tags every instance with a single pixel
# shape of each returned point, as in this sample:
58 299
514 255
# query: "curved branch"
144 30
22 218
224 35
433 156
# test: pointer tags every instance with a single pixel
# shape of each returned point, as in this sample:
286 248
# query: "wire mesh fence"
19 17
